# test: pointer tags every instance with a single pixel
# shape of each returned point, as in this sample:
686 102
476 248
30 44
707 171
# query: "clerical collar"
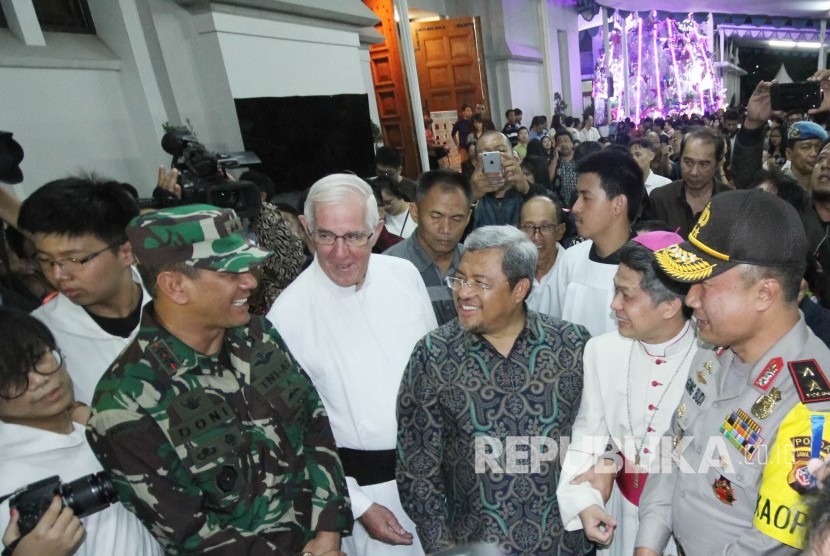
660 350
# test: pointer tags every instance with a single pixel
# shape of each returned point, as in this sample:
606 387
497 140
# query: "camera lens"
225 198
89 494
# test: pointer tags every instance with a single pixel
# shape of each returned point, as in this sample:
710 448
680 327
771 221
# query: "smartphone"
795 96
492 162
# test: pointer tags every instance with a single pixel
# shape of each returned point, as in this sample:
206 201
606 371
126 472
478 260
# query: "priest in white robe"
634 379
352 319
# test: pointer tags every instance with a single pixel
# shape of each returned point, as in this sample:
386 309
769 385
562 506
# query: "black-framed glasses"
48 364
456 284
352 239
544 229
69 263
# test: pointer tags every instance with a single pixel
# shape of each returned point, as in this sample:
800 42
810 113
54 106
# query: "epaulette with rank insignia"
810 382
164 355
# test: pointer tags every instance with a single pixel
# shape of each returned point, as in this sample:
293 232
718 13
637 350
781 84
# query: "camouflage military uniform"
231 451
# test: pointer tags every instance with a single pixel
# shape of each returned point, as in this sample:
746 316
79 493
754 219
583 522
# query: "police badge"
764 405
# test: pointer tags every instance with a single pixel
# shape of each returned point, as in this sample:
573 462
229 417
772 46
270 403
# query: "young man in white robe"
634 378
610 191
352 319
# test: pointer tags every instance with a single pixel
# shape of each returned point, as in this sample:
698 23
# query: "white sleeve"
360 502
589 438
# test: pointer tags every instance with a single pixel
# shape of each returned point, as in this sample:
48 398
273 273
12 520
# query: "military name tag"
765 405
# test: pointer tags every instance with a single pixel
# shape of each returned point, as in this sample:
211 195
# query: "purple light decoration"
656 63
677 86
639 66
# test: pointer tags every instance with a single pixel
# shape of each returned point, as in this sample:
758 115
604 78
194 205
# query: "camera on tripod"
202 179
85 496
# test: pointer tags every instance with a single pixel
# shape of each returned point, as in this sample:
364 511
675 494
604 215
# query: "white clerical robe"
581 290
355 345
628 386
87 348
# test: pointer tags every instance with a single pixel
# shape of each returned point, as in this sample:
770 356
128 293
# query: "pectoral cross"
637 470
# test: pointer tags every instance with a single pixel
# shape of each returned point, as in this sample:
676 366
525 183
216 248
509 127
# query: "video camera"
85 496
201 179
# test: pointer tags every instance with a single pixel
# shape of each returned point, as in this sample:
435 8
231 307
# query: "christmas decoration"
669 66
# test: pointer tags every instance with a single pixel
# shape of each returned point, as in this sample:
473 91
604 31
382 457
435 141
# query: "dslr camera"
202 178
85 496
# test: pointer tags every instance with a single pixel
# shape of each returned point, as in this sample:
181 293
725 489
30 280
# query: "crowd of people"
589 344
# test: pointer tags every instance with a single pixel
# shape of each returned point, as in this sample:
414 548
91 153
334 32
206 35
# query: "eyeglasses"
69 263
544 229
456 284
49 363
352 239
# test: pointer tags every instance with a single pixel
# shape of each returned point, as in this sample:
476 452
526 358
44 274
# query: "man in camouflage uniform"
214 436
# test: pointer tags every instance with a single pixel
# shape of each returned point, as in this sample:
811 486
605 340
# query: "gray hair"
519 254
640 258
335 189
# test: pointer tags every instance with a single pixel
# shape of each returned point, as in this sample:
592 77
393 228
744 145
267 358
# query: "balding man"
543 221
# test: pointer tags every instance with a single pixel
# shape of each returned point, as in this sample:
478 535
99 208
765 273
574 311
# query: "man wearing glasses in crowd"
543 220
78 229
351 319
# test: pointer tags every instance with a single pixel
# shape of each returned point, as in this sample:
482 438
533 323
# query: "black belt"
368 467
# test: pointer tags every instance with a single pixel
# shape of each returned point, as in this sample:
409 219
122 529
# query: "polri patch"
810 382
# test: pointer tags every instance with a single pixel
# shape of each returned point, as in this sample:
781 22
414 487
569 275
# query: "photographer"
38 439
804 139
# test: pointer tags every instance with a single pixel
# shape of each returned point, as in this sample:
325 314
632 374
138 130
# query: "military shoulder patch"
810 382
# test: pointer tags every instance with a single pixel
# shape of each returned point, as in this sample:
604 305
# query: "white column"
547 61
626 86
822 51
407 48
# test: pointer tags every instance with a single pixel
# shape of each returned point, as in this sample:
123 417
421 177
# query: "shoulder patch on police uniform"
810 382
164 355
770 373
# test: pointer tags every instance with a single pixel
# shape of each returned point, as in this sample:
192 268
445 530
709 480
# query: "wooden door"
450 61
390 89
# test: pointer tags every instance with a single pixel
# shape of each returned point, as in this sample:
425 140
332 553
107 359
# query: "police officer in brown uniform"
754 408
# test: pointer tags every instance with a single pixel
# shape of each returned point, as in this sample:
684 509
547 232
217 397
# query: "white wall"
98 102
278 59
68 119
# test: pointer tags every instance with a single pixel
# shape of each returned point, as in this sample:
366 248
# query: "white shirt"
540 293
587 134
625 389
355 345
653 181
28 455
88 349
401 224
581 290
